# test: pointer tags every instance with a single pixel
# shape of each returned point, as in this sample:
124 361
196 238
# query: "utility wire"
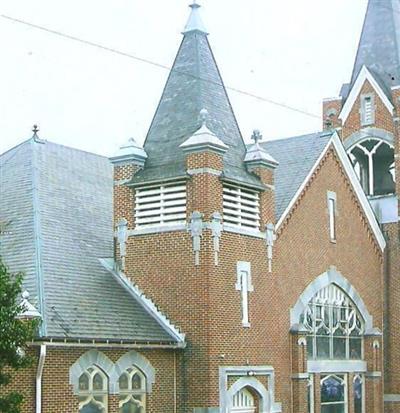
158 65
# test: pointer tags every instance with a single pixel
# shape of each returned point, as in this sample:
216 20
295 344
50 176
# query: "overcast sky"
289 51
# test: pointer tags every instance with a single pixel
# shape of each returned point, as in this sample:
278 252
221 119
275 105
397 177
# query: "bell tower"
367 117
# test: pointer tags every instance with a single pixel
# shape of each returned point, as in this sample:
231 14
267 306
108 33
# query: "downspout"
175 398
39 373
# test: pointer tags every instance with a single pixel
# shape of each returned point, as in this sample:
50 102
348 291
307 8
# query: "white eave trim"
364 75
362 198
148 305
302 186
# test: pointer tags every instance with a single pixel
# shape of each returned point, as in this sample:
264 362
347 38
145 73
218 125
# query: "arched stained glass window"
336 327
132 391
333 394
358 394
92 392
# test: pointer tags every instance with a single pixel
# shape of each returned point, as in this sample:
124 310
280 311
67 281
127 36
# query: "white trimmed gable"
336 143
364 75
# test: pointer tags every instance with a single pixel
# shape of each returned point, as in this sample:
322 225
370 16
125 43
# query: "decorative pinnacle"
195 5
256 136
35 130
25 295
204 117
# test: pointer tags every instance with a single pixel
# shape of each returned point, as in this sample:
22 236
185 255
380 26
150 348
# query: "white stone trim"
249 379
86 360
157 229
201 171
364 75
243 231
368 133
391 398
332 99
362 198
147 304
332 276
133 359
335 366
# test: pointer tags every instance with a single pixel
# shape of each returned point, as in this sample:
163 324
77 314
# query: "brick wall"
203 300
58 394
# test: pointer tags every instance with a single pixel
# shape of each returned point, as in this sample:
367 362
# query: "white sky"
290 51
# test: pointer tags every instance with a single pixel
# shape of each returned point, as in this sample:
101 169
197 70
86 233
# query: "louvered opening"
160 205
241 207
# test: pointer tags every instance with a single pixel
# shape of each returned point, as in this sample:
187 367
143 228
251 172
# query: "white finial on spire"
204 116
195 22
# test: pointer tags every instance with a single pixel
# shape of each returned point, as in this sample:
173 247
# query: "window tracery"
335 326
93 391
373 161
132 391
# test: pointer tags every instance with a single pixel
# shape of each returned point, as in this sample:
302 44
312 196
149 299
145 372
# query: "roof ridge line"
38 239
147 303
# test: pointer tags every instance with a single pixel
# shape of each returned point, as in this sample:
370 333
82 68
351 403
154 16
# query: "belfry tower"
367 115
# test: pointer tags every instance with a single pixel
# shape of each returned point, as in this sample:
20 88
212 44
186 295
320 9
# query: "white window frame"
344 379
326 301
126 395
90 394
160 205
332 213
367 109
244 285
310 390
241 207
362 378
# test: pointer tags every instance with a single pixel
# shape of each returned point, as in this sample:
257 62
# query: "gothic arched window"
92 391
335 326
373 161
132 391
333 394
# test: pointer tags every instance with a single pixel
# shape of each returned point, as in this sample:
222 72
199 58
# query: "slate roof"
194 84
379 47
296 157
58 202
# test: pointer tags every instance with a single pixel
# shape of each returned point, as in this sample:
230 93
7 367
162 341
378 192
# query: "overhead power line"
156 64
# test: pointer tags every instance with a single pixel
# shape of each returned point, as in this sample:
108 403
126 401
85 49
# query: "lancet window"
93 391
132 391
335 326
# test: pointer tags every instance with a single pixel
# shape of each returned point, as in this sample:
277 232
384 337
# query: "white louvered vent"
160 205
241 207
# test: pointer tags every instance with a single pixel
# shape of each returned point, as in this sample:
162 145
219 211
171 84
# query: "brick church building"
200 274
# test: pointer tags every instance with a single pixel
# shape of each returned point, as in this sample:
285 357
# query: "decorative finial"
256 136
204 117
194 5
25 295
35 130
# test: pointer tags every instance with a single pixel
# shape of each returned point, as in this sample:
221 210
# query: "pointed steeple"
379 48
194 84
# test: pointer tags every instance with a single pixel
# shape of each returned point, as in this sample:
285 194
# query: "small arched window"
132 391
333 394
92 391
335 326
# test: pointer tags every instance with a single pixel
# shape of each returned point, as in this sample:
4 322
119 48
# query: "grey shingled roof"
296 157
379 47
194 84
58 201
